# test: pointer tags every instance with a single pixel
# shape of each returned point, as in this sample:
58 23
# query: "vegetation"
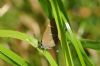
23 25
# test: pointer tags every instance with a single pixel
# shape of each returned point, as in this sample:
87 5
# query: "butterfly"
50 36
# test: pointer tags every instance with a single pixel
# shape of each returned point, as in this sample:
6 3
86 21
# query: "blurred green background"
29 17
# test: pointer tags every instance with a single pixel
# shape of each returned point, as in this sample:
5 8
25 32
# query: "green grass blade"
30 40
77 44
19 35
11 57
61 21
48 57
61 33
5 58
92 44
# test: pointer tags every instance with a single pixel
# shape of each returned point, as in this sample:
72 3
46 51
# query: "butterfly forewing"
47 39
50 36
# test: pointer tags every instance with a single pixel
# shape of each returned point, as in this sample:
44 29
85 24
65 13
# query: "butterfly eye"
42 46
39 44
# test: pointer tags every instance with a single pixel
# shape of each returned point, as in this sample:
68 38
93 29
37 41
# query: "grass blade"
11 57
30 40
92 44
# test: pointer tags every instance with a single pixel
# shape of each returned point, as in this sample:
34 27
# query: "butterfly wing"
47 39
